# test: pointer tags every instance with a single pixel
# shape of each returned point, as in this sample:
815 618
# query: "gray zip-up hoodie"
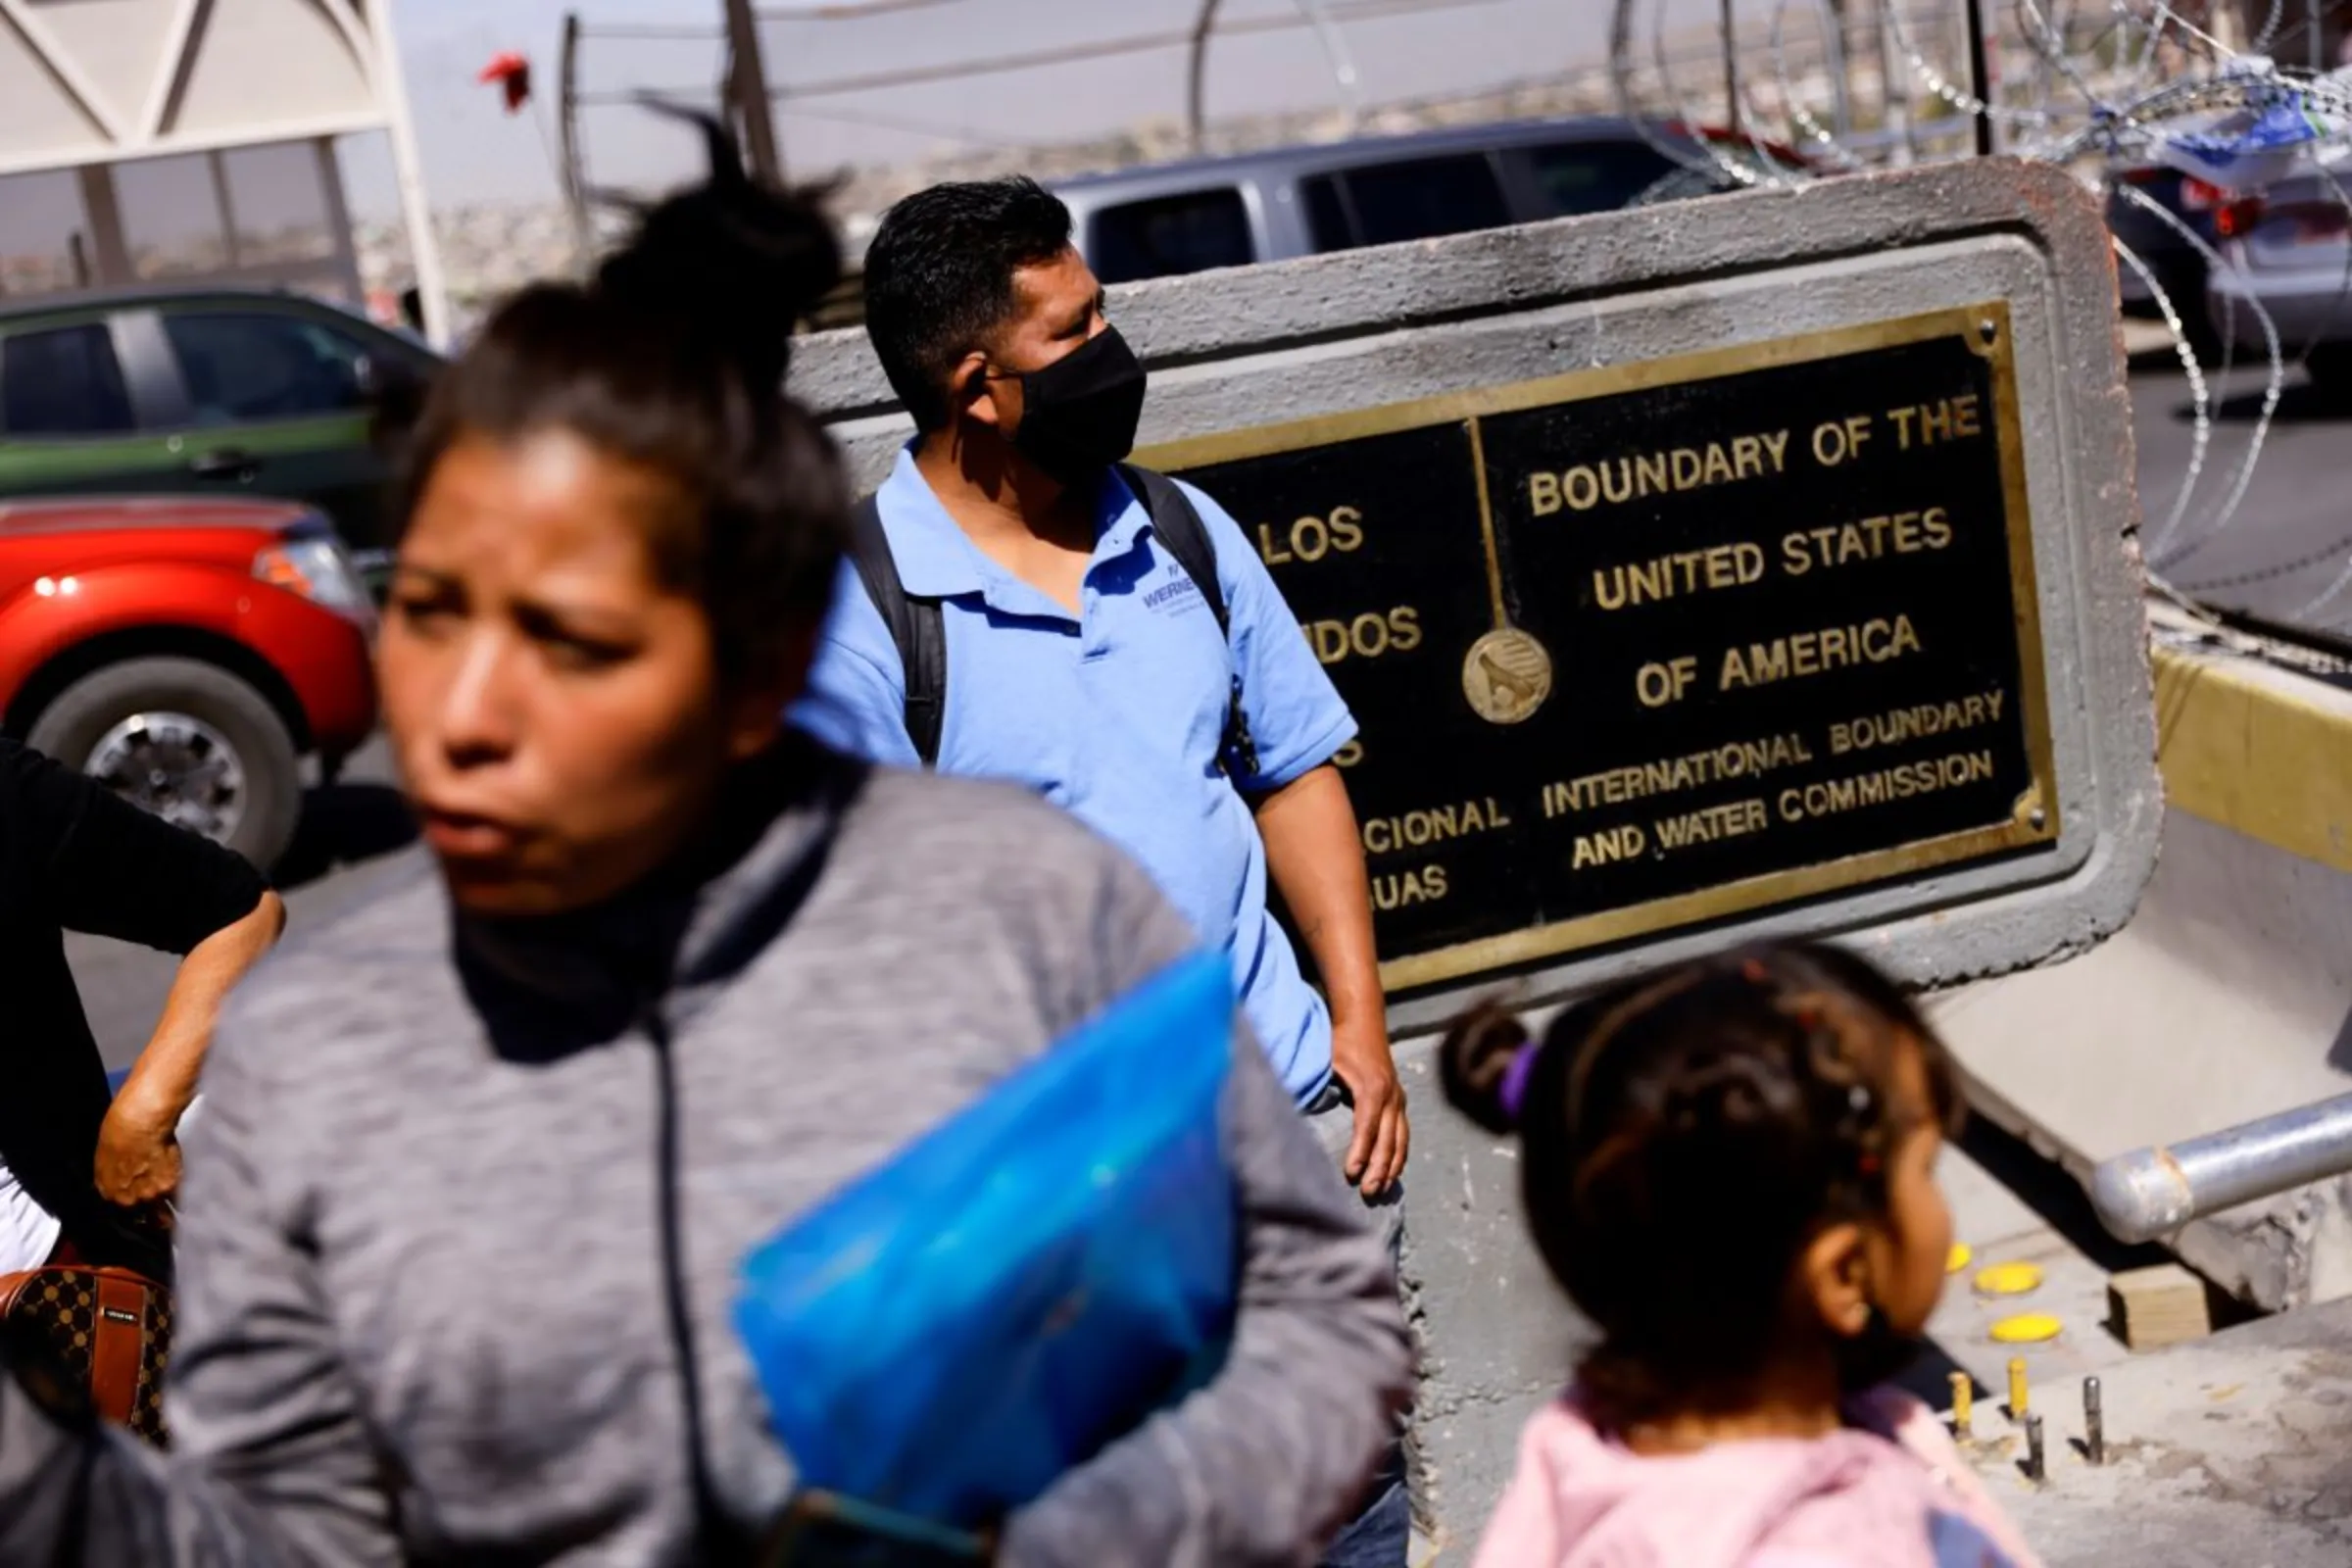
422 1308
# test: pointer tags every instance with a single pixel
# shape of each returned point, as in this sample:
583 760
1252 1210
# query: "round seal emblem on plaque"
1507 676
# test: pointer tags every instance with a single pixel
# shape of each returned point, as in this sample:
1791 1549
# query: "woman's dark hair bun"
1474 1063
671 357
731 260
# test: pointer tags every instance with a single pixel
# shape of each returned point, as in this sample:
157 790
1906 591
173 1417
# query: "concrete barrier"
2229 996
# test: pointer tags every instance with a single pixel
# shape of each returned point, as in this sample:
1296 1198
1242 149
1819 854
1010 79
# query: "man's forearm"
165 1077
1317 864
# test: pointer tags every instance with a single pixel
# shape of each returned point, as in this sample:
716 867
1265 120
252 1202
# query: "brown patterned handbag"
105 1331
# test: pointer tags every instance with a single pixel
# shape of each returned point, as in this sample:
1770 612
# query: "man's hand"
138 1153
1317 864
1361 1058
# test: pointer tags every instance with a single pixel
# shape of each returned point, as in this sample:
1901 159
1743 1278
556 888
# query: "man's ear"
1833 1277
971 389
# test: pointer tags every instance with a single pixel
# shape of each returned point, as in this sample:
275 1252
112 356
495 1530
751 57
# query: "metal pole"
750 82
425 247
1196 90
1731 75
567 138
2153 1192
104 256
1895 113
1842 74
1979 78
226 204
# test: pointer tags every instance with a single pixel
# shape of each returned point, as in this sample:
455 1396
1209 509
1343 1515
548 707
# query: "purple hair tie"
1516 1076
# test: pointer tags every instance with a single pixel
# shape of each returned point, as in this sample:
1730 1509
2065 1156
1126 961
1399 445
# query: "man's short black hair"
939 278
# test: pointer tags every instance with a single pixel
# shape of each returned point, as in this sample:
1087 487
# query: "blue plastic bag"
2276 134
1030 1279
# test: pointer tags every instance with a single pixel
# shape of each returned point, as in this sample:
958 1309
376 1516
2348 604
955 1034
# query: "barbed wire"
2113 90
2274 572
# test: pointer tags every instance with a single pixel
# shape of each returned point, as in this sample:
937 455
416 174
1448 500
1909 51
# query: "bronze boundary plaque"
1509 684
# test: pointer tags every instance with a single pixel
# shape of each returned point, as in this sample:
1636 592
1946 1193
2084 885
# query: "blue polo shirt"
1115 715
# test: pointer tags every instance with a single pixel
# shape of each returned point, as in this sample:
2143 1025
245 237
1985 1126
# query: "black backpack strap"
1179 529
917 626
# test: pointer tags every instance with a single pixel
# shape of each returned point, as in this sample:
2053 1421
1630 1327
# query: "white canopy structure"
194 142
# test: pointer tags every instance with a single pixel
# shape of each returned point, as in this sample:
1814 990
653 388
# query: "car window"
1170 235
66 381
1595 176
1327 212
1425 198
251 366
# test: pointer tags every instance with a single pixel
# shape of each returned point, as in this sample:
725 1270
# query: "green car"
208 392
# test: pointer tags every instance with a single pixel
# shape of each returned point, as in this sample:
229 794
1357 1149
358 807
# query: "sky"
473 152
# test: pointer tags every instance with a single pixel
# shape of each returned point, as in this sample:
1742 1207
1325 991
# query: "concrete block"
2153 1308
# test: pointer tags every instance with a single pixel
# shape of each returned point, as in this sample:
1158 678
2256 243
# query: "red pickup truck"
186 652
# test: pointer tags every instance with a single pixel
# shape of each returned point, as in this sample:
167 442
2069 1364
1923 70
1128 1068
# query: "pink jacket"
1888 1492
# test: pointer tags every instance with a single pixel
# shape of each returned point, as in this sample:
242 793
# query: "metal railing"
2152 1192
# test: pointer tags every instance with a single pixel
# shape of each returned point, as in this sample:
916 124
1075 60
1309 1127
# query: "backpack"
918 626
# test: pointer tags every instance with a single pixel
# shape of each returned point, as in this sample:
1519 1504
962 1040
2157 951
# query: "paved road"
2289 542
2286 554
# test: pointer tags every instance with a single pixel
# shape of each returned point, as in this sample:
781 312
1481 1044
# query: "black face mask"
1079 414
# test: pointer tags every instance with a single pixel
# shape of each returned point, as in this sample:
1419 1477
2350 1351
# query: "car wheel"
188 741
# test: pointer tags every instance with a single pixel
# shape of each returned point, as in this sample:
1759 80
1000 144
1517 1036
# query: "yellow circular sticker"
2032 1327
2009 1279
1962 1255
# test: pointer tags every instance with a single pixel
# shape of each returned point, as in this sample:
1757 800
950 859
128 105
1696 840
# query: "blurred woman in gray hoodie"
480 1158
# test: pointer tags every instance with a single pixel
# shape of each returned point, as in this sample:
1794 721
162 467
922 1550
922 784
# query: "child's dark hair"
672 356
1684 1135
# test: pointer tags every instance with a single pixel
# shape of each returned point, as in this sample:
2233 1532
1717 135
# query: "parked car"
2289 250
208 392
188 652
1173 219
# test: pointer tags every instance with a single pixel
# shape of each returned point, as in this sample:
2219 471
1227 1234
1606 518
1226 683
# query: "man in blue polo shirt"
1083 659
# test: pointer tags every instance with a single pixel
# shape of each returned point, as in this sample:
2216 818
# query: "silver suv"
1302 201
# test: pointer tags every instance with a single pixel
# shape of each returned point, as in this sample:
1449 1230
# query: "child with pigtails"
1730 1168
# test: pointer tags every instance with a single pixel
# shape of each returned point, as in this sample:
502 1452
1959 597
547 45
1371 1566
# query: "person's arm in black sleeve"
110 870
1262 1466
113 871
